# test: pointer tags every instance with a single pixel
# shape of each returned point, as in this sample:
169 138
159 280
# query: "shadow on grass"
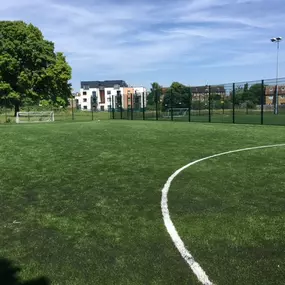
9 275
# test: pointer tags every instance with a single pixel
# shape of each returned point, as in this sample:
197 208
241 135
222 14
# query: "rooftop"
106 83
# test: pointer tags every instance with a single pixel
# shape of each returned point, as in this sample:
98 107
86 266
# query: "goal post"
177 112
35 117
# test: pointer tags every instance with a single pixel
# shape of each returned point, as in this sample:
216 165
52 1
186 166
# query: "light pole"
277 40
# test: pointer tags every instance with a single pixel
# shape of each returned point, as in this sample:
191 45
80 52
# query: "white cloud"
246 59
247 1
117 38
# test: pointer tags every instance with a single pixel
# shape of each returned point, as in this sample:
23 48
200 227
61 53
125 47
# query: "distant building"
270 92
201 93
134 97
73 102
139 98
102 94
103 91
126 96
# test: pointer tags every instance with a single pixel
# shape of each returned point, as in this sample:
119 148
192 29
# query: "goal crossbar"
176 112
35 117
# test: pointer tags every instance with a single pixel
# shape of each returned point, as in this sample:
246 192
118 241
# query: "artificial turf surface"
80 202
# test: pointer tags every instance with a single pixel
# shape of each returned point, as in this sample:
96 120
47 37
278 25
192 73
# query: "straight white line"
196 268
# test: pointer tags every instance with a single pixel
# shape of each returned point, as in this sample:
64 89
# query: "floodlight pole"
156 103
277 40
277 75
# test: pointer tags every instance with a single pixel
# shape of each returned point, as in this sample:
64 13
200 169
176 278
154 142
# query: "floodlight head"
278 39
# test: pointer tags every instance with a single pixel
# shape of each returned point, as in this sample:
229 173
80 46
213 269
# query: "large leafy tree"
176 96
30 69
249 95
253 94
154 94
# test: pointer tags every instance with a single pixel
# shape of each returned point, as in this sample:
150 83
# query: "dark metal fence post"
113 107
132 109
262 94
72 110
143 94
6 115
171 104
92 111
233 99
156 104
223 105
189 104
210 119
128 106
121 103
199 104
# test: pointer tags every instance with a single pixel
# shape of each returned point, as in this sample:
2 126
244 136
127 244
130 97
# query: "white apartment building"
103 91
142 93
106 94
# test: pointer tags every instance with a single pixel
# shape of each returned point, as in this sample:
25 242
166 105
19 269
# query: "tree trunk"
17 108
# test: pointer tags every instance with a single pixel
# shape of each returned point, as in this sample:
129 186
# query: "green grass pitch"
80 202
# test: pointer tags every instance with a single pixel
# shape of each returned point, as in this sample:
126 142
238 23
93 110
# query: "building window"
85 107
85 100
108 92
84 93
86 87
102 108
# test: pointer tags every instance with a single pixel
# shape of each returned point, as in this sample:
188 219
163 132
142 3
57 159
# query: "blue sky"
195 42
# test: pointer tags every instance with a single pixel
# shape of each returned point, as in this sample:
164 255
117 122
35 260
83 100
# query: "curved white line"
196 268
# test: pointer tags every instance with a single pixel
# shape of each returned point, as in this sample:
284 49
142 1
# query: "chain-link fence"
250 102
128 106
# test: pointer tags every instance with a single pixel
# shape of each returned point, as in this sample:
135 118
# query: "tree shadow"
9 275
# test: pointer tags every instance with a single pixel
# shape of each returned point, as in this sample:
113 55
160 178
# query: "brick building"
270 92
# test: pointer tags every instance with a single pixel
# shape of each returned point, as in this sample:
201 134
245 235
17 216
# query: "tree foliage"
250 96
155 93
30 69
221 101
177 96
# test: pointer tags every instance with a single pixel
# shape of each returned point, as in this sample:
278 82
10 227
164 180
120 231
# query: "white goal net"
177 112
34 117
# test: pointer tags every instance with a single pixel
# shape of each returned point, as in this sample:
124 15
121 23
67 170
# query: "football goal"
34 117
177 112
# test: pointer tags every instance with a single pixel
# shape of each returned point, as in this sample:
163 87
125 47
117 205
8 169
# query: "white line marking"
196 268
